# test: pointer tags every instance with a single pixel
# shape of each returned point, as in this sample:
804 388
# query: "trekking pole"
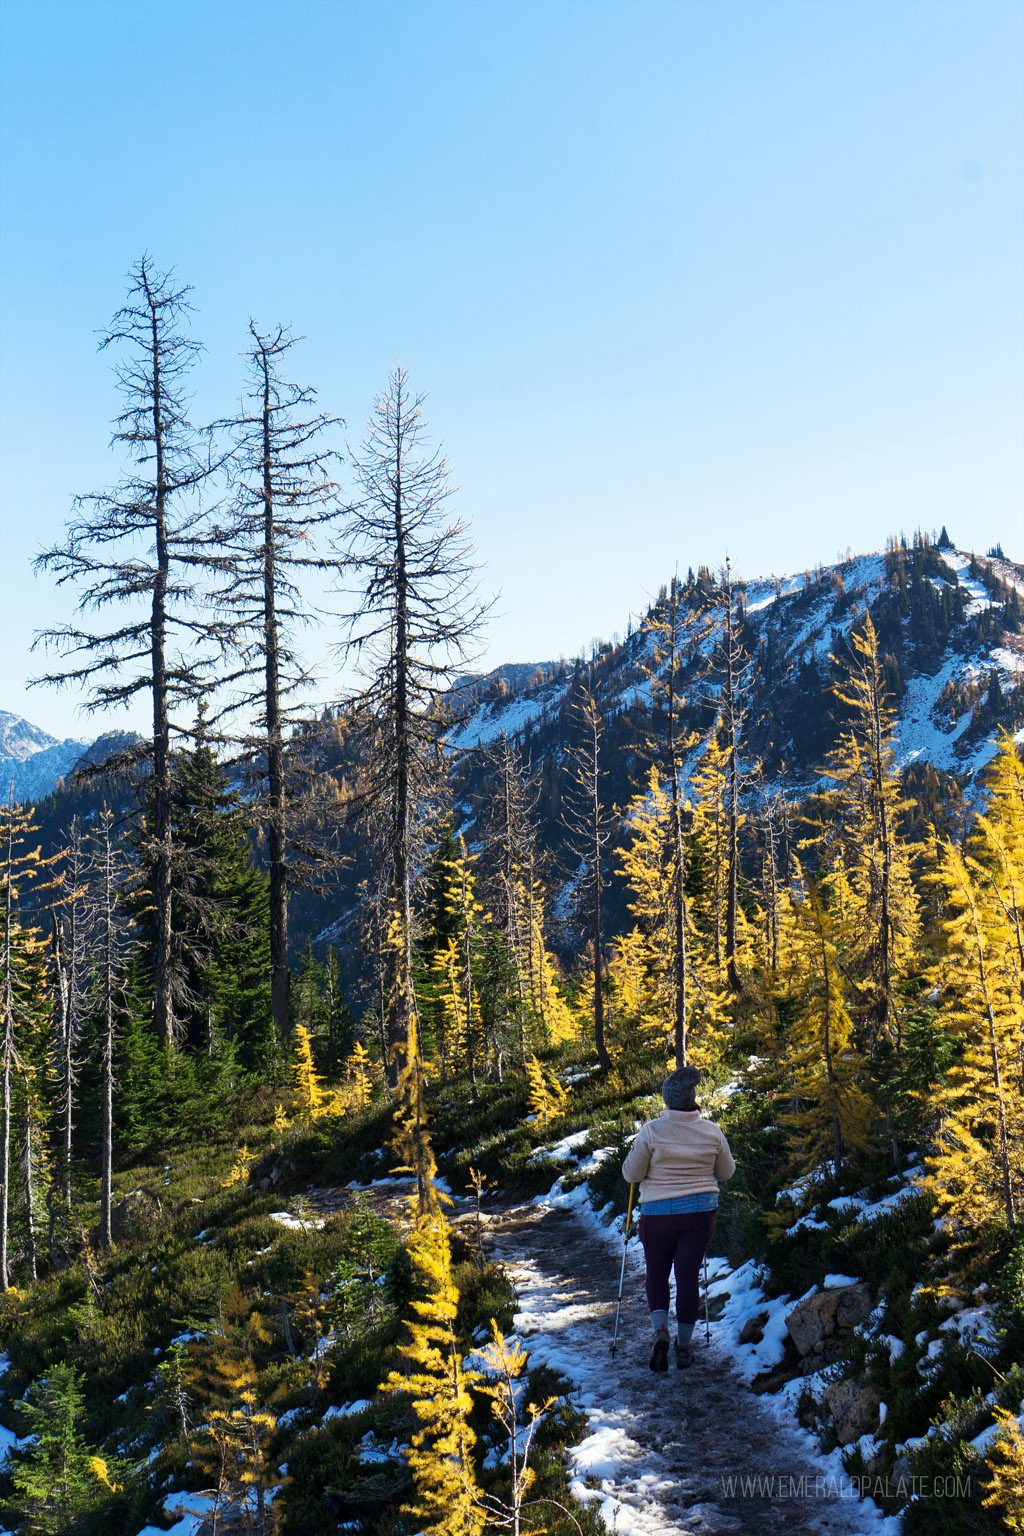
622 1271
707 1320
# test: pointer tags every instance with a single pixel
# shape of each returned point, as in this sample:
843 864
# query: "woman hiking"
678 1161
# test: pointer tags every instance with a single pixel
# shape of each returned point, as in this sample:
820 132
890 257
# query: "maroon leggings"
676 1242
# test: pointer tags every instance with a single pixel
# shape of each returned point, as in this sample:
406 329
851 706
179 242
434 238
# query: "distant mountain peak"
20 739
32 759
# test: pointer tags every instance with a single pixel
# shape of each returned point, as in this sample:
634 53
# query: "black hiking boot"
659 1354
684 1356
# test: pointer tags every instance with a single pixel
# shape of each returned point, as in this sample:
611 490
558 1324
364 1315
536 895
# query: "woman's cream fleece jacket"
680 1153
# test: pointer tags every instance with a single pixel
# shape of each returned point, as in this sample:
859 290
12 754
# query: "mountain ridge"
803 618
949 619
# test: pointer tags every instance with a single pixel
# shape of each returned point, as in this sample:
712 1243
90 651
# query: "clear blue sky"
680 278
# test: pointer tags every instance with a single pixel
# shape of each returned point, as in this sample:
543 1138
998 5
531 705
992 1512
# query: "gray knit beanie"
679 1088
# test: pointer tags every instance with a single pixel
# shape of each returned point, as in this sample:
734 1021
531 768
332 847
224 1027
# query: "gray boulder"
854 1406
815 1319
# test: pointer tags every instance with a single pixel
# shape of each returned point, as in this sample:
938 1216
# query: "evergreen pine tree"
220 910
56 1479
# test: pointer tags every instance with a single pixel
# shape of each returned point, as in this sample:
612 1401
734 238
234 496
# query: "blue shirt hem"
705 1201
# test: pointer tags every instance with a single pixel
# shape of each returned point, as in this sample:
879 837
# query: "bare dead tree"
139 545
417 615
589 826
509 827
282 494
672 629
9 1057
509 830
774 839
70 916
731 666
107 873
23 1004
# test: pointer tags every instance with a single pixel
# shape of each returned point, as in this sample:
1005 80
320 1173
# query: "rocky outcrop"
854 1406
818 1318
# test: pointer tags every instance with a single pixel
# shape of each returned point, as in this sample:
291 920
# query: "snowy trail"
662 1449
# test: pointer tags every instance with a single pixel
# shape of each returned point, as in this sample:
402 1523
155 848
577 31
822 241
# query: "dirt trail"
662 1447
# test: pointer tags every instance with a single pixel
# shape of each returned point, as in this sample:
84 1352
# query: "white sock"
684 1332
659 1322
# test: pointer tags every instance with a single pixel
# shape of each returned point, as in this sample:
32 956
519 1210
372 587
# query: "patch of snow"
562 1151
371 1452
8 1442
346 1410
810 1224
972 1325
290 1415
295 1223
508 718
956 560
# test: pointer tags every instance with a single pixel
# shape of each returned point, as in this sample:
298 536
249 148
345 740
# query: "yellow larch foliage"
232 1447
357 1073
308 1084
636 989
461 1032
410 1141
239 1173
643 965
710 831
1001 846
241 1431
976 1172
861 819
831 1114
506 1362
1004 1485
543 992
548 1097
440 1456
98 1467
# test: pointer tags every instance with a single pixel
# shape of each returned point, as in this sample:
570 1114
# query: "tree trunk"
884 1013
833 1092
732 866
599 1042
163 1003
107 1152
679 883
276 829
28 1188
63 1053
5 1159
398 1021
8 1051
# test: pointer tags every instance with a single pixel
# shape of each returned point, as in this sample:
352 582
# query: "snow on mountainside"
949 622
31 759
